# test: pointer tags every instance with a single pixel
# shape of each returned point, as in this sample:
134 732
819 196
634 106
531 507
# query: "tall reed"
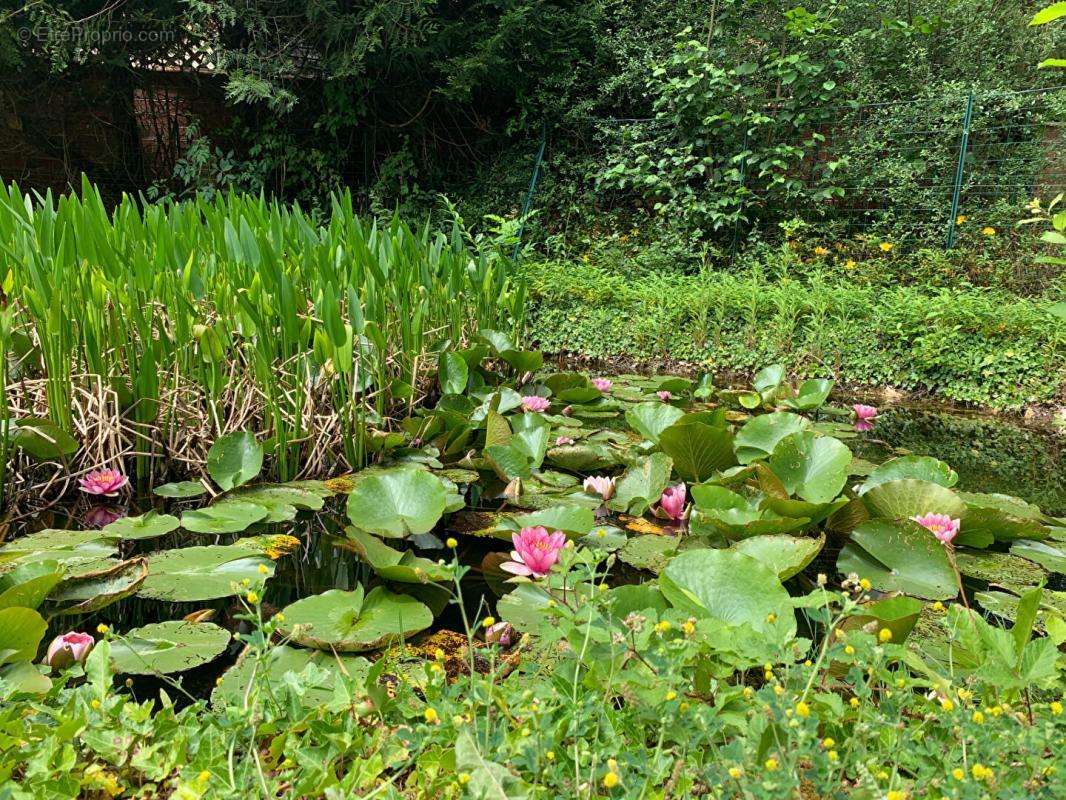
181 320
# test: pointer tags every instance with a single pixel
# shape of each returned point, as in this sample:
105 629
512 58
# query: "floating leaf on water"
24 677
911 497
604 537
42 439
574 521
899 614
21 631
810 395
813 467
225 516
698 451
460 476
28 585
395 565
651 419
642 484
508 461
192 574
68 548
146 526
91 592
283 663
785 555
397 502
347 622
584 456
730 587
642 598
758 437
718 509
525 607
1048 555
281 501
167 647
924 468
180 490
1001 568
650 552
899 557
234 459
1000 517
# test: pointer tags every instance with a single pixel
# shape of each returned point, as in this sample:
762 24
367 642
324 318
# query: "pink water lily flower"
672 503
603 384
535 403
601 485
561 440
665 396
70 648
941 526
105 482
536 551
864 417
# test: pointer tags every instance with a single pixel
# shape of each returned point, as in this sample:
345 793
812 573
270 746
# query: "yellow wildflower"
452 542
488 622
431 716
886 247
770 764
978 717
252 598
610 780
735 773
988 230
671 695
958 774
1056 707
802 709
463 778
884 635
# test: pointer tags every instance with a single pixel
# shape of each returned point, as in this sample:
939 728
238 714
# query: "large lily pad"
785 555
1001 517
93 591
191 574
234 459
525 608
396 565
1051 556
735 516
348 622
650 551
698 450
584 456
284 663
651 419
280 500
899 557
146 526
68 548
923 468
180 490
42 439
28 585
397 502
167 647
728 586
758 437
226 516
575 521
910 497
810 395
642 484
813 467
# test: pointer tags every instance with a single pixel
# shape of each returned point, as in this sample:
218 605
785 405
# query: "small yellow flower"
435 667
978 717
833 755
662 627
252 598
438 654
821 251
463 778
431 716
279 617
779 689
884 635
671 695
895 794
488 622
1056 707
808 663
849 650
886 247
771 618
612 765
95 703
854 702
995 711
946 704
683 708
610 780
882 776
218 681
980 772
961 218
550 755
865 584
802 709
688 627
262 569
770 764
938 607
452 542
102 628
958 774
748 693
735 773
988 230
204 776
828 743
850 264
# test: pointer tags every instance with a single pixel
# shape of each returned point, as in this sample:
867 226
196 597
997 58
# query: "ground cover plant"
571 586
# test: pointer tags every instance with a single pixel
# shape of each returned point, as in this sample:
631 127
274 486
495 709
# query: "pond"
990 455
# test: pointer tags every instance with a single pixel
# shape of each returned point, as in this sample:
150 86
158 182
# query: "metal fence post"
960 171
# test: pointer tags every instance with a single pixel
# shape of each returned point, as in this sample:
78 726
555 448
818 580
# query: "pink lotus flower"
603 384
665 396
535 403
601 485
864 417
70 648
672 503
536 551
561 440
107 482
501 633
568 411
941 526
102 516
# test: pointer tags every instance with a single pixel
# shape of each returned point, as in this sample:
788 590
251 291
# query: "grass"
962 343
150 330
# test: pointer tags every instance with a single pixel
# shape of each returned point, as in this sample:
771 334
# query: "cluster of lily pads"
717 501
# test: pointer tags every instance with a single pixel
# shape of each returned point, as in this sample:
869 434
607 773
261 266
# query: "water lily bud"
70 648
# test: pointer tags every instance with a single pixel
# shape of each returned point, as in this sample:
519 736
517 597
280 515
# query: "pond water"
990 455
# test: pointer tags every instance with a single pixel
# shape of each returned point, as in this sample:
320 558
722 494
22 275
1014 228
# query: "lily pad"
398 502
574 521
813 467
180 490
146 526
642 484
1048 555
347 622
923 468
1001 568
281 501
910 497
758 437
396 565
226 516
284 663
651 419
785 555
27 586
735 516
1000 517
525 607
810 395
698 450
730 587
650 551
93 591
234 459
167 647
899 557
21 631
68 548
584 456
42 439
191 574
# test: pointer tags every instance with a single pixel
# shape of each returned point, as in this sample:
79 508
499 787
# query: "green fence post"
960 171
532 188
